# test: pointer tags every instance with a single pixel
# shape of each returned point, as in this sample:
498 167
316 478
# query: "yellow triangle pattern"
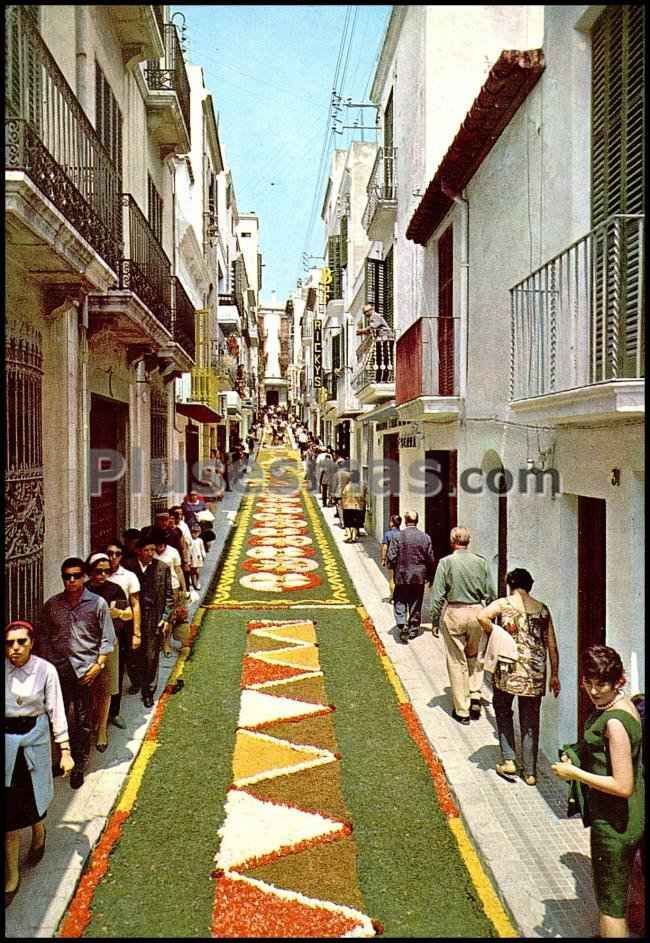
256 754
304 657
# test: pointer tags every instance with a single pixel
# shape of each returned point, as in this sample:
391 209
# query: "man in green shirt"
461 586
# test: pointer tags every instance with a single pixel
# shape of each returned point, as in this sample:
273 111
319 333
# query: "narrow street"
260 784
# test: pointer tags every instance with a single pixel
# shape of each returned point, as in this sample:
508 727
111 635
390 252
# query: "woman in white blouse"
32 694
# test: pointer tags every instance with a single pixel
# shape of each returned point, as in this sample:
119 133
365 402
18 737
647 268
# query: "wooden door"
391 458
192 455
440 508
592 574
108 420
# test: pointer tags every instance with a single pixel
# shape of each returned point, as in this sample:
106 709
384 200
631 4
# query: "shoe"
118 721
507 770
147 700
76 779
134 689
414 633
36 854
530 779
475 710
101 747
9 895
461 720
402 635
435 631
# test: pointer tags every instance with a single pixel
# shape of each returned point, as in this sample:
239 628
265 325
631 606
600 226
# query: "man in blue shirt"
76 636
395 523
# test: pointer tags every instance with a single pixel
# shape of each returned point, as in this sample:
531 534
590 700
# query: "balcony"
374 379
347 405
228 314
140 31
202 405
381 209
427 370
577 326
183 319
168 97
62 191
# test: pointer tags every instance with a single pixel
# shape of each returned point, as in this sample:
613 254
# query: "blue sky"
270 70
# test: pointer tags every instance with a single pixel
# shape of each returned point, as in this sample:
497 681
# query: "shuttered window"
379 286
618 187
154 209
344 241
336 352
446 314
389 292
334 264
23 84
108 118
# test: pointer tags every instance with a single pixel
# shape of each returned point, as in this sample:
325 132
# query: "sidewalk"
76 819
538 859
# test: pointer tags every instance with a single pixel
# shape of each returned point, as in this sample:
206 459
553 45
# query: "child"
197 555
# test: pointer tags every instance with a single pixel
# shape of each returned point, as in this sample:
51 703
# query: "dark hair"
131 533
145 539
157 536
519 579
73 561
396 520
602 663
113 543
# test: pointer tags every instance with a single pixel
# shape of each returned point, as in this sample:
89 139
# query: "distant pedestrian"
197 556
132 638
156 605
341 477
410 553
34 712
171 557
392 532
529 622
76 635
606 771
354 497
461 588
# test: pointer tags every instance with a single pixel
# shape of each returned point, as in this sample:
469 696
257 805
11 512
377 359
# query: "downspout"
463 202
82 28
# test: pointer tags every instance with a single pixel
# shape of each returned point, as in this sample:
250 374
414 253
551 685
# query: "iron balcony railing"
381 186
49 137
376 362
145 268
579 319
205 387
169 74
183 318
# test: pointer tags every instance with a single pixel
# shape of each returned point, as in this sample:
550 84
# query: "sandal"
507 770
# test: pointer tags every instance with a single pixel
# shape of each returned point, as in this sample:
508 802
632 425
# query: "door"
272 398
592 573
108 420
192 455
391 474
440 507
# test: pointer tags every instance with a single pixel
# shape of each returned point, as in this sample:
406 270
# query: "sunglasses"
103 569
114 553
66 577
20 641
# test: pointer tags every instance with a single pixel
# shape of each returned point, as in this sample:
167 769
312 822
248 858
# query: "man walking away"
76 636
410 553
461 587
393 531
156 604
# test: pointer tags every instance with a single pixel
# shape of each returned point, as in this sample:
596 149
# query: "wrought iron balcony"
170 75
183 318
145 268
379 214
50 139
578 321
374 378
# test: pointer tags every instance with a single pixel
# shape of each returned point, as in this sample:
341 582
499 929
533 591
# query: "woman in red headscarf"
32 695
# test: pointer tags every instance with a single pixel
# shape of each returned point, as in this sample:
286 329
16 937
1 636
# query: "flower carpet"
288 790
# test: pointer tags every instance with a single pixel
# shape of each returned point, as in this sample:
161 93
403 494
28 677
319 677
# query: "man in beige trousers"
462 583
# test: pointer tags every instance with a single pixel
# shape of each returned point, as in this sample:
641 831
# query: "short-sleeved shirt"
527 677
127 580
172 558
379 326
390 534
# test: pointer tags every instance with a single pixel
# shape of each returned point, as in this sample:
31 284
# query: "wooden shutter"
388 124
618 186
445 314
154 209
376 284
336 352
344 241
108 118
310 304
388 299
334 263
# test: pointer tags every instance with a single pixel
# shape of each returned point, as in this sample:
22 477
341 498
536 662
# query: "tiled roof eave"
509 82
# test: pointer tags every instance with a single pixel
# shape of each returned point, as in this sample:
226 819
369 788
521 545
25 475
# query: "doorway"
192 456
592 576
108 423
272 397
440 502
391 477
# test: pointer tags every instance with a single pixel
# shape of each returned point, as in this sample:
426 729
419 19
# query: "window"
446 313
108 118
378 291
344 241
154 209
334 263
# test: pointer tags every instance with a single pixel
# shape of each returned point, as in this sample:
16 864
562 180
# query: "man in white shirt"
379 328
130 585
172 558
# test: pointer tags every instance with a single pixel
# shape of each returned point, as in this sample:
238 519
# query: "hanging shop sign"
318 354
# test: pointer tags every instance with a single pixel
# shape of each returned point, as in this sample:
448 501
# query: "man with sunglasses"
76 635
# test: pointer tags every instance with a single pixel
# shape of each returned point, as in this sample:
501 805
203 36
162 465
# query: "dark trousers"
144 661
124 643
323 491
407 604
78 704
529 709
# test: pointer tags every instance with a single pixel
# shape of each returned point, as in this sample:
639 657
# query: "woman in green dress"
606 769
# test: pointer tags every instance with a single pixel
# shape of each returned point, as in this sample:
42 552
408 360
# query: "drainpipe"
82 28
464 288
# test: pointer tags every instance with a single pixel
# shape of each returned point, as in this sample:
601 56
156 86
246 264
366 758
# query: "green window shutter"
376 284
334 263
336 352
344 241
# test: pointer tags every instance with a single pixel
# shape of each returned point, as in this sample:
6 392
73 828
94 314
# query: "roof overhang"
199 412
508 84
389 411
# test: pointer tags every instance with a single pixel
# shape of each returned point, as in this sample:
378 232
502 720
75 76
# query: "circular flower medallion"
291 540
267 582
280 565
279 553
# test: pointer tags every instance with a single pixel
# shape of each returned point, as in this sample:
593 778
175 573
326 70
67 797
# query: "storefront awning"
199 412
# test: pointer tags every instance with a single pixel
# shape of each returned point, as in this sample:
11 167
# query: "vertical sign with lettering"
318 354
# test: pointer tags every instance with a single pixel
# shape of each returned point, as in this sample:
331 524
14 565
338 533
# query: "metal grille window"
159 492
344 241
154 209
24 507
108 118
618 185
